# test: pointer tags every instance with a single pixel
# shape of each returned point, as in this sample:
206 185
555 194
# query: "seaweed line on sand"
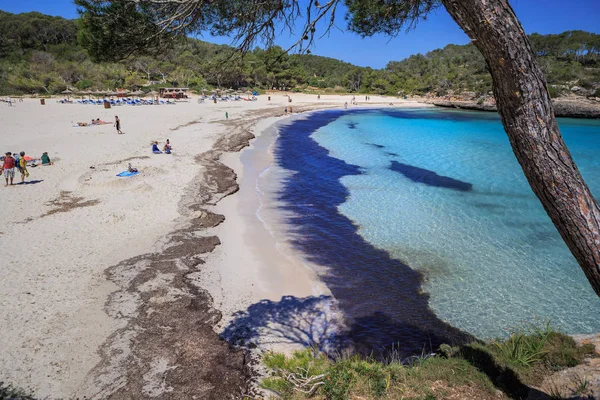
167 346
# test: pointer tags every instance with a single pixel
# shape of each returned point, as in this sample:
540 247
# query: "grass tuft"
525 346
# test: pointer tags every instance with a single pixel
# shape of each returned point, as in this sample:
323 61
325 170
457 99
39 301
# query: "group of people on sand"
98 121
166 148
13 163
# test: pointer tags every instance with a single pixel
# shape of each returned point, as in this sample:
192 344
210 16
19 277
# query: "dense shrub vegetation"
40 53
473 371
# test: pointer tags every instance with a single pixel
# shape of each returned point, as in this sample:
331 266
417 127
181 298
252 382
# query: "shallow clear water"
442 192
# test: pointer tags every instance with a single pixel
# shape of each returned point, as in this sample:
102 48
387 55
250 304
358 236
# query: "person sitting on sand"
167 147
23 167
93 122
155 149
45 159
131 169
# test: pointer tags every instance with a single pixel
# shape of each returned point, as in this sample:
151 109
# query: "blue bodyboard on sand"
127 173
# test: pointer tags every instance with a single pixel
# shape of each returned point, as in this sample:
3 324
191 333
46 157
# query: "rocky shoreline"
563 107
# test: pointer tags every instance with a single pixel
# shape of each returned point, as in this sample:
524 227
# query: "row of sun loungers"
121 102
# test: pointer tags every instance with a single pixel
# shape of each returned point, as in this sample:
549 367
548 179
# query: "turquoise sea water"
442 192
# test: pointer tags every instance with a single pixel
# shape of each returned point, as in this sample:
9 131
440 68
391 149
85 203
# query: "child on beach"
9 168
23 167
155 148
167 147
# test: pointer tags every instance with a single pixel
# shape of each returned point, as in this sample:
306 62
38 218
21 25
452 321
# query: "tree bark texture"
526 110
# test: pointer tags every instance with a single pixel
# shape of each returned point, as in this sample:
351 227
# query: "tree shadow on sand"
312 322
302 321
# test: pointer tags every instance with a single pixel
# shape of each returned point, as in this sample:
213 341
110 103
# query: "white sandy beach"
60 234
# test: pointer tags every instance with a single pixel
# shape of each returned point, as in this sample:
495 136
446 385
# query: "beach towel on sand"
127 173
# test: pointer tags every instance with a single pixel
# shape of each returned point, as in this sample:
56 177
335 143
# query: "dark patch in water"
351 125
544 236
421 175
488 206
437 114
391 154
378 146
380 296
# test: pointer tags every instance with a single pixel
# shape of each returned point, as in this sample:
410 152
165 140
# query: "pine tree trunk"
528 116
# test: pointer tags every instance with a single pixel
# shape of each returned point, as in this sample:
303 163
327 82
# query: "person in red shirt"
9 168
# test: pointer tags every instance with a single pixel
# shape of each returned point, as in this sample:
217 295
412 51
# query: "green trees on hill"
40 53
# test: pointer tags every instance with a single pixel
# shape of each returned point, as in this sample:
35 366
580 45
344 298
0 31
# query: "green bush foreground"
475 370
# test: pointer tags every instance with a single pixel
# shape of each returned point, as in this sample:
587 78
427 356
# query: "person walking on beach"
23 167
226 115
118 124
346 105
9 168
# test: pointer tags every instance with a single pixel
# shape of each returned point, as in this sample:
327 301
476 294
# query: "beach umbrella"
67 92
153 93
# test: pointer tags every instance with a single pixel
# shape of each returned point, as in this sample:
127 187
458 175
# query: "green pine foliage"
45 54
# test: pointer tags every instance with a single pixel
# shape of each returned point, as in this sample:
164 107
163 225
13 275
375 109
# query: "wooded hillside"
41 54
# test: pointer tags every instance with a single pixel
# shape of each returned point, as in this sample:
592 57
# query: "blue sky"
542 16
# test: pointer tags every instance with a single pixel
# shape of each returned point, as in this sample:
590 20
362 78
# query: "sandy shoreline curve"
110 288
